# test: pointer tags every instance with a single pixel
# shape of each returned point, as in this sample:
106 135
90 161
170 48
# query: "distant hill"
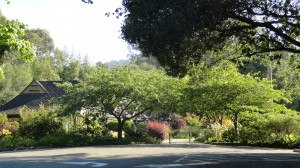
110 64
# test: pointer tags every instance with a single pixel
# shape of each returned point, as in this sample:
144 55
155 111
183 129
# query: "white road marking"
154 166
76 163
161 166
176 161
93 164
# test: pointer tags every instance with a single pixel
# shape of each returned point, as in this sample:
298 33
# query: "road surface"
152 156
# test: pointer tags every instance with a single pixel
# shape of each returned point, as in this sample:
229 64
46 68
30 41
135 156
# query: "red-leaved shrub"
157 130
177 123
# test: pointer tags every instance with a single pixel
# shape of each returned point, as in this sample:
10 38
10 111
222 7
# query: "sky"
78 27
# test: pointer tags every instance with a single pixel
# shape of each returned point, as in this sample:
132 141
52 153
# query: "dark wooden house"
35 94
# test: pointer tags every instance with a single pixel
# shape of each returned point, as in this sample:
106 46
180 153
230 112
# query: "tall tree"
41 40
17 77
176 31
43 69
223 91
124 92
286 75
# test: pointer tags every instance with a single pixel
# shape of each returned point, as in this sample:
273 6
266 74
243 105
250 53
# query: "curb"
296 150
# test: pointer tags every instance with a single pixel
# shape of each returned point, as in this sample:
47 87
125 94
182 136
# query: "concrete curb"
296 150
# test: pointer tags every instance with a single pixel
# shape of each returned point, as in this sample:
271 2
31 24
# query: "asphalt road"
152 156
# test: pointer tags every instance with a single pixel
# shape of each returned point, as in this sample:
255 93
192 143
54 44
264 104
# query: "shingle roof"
29 100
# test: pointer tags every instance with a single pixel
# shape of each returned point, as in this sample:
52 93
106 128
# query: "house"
35 94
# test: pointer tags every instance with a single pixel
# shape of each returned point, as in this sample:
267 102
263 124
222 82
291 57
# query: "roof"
35 94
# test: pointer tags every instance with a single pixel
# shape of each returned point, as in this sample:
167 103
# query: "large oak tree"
177 32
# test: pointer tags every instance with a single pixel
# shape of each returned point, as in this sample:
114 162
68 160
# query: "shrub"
270 128
141 130
39 123
193 120
177 123
157 130
24 142
7 142
113 125
230 135
129 128
6 127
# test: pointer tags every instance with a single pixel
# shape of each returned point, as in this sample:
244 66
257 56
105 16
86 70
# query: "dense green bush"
112 125
39 123
24 142
16 141
230 135
271 128
129 128
7 142
141 130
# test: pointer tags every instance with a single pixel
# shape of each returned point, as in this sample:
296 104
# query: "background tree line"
50 63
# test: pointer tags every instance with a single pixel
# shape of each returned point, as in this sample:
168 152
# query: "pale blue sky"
72 24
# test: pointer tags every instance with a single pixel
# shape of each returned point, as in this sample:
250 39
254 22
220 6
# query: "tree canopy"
12 34
223 91
124 92
176 31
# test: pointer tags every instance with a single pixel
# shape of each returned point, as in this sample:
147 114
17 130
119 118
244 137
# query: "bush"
177 123
270 128
129 128
157 130
39 123
141 129
230 135
7 142
6 127
113 125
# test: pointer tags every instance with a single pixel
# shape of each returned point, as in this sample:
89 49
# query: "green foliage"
11 33
6 127
7 141
230 135
193 120
126 92
3 119
39 123
18 76
24 142
41 40
16 141
178 32
223 91
129 127
113 125
193 128
287 78
43 69
270 128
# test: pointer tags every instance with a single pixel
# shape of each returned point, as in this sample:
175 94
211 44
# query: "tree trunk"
120 128
220 119
235 121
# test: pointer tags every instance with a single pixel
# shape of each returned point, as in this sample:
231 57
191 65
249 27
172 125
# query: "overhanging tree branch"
270 27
